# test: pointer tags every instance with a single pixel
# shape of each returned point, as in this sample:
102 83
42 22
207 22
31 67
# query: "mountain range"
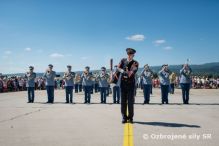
207 69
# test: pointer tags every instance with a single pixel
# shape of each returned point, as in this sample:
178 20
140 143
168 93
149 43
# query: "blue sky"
90 32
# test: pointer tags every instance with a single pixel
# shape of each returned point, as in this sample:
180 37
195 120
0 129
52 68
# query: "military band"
123 78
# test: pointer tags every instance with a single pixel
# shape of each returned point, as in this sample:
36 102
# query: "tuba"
77 78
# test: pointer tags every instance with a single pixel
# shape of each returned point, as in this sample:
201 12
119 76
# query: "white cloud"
168 48
136 37
7 52
159 42
28 49
56 55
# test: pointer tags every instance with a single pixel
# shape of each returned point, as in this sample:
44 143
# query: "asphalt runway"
95 124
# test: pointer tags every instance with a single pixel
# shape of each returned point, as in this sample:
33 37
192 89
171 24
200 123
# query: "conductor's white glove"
120 70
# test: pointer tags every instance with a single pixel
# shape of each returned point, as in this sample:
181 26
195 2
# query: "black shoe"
124 121
131 121
146 102
114 102
28 102
85 102
48 102
67 102
118 102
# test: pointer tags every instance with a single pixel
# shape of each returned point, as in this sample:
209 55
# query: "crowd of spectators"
16 83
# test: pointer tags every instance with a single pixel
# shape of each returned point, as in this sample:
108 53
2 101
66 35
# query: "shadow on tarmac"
165 124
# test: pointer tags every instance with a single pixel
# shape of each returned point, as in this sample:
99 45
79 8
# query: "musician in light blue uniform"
30 84
164 74
146 76
50 75
87 84
116 88
185 82
69 84
103 79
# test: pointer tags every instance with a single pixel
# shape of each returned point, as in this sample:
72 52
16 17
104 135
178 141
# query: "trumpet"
187 72
68 75
103 76
28 74
85 73
77 78
48 71
88 76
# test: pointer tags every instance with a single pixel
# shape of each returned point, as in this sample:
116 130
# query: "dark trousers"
30 91
103 94
92 89
147 91
185 92
76 88
164 93
116 94
50 93
96 87
127 94
69 93
87 93
107 91
80 87
172 88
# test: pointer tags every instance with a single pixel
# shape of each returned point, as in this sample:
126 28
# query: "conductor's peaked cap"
31 67
130 51
50 65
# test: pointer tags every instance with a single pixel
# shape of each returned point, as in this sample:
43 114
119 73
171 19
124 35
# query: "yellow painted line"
131 143
128 135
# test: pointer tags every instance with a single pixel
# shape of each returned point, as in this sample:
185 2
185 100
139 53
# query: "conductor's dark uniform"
128 68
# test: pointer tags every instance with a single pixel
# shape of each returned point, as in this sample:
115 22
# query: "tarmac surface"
95 124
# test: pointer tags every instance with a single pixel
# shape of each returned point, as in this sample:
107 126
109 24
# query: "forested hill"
207 69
